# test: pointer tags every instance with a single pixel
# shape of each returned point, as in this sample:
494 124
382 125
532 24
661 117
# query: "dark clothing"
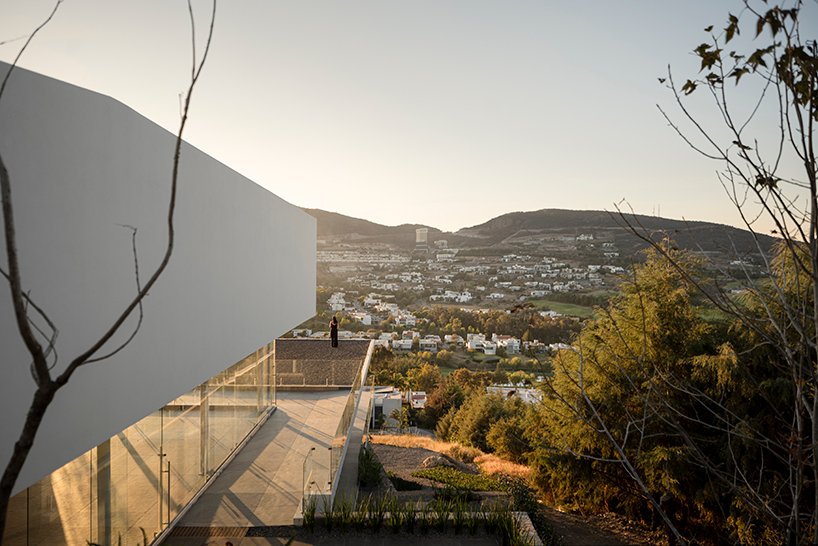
333 332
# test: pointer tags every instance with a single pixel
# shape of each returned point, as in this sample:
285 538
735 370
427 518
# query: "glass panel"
124 486
59 506
133 490
347 416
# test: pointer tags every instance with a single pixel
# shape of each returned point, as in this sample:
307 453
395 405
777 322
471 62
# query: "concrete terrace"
262 485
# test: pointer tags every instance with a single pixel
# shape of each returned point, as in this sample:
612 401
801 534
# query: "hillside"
334 225
516 228
550 230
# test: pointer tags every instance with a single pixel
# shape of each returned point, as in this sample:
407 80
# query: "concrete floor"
263 484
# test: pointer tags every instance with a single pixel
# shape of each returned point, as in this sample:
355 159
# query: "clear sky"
445 113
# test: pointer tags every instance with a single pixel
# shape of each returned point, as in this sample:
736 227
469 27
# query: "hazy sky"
446 113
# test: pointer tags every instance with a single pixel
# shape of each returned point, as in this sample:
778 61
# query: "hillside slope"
695 235
518 230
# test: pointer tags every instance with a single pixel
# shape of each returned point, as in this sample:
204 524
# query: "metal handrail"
340 442
304 476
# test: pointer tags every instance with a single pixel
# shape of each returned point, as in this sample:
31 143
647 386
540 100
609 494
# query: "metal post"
304 475
167 495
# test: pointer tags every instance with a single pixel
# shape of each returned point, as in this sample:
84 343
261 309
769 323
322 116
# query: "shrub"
369 468
458 479
463 453
525 500
506 437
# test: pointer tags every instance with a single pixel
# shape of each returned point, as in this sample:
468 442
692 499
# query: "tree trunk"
42 398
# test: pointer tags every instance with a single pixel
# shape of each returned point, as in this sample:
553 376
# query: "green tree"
447 396
768 169
426 378
520 377
609 403
470 423
499 376
507 437
443 357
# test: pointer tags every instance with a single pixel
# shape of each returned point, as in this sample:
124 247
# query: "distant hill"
517 231
707 236
332 224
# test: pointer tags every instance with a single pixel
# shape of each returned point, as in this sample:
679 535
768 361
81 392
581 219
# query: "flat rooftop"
320 349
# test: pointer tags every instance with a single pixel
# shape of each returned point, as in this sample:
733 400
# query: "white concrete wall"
243 269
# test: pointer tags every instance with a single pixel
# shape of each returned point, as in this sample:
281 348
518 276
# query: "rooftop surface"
320 349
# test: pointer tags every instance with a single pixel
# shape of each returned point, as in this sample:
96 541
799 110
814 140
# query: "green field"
711 314
567 309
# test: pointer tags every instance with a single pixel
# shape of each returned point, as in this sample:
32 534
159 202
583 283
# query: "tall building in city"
422 239
129 440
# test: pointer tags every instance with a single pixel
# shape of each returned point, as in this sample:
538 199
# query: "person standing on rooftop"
333 330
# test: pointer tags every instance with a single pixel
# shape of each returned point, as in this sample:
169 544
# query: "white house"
337 301
428 345
474 342
405 319
554 347
509 343
402 344
362 317
417 399
385 402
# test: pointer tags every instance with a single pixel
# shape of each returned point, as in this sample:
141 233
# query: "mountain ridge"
515 228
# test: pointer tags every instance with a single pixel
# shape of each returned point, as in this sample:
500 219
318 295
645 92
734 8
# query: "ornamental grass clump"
410 517
440 514
360 516
329 514
395 515
377 514
308 512
473 522
425 519
460 514
344 509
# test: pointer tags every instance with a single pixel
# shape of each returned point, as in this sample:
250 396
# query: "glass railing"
140 479
370 408
339 442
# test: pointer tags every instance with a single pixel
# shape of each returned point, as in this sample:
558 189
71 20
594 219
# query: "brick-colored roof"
320 349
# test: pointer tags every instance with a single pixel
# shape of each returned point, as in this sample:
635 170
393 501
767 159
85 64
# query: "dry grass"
407 440
489 464
492 464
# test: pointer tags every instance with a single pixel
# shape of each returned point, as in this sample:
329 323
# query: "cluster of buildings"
442 275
